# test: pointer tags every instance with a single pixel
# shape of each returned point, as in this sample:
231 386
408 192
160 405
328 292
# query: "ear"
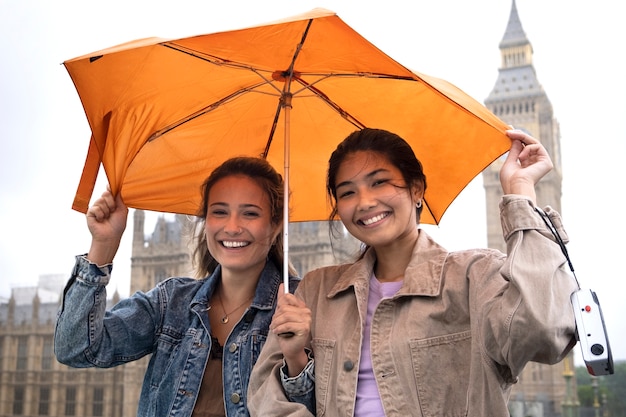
417 191
277 231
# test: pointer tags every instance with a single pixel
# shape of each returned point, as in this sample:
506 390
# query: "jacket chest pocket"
441 367
173 349
254 344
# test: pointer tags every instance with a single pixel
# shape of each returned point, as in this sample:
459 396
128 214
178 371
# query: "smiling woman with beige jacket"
411 329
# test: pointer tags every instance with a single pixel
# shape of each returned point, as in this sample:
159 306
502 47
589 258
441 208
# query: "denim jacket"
170 323
451 342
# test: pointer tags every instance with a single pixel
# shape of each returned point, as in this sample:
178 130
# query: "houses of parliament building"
33 383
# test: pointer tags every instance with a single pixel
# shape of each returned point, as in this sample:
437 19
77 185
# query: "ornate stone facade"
32 382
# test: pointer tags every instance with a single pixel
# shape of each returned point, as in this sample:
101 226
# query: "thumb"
119 202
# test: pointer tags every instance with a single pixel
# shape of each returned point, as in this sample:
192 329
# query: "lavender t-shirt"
367 397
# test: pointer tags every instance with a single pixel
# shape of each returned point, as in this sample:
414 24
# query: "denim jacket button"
235 398
348 365
232 348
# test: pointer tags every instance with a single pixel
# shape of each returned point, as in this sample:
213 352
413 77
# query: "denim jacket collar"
264 298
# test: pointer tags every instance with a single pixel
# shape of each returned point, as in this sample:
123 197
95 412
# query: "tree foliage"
611 389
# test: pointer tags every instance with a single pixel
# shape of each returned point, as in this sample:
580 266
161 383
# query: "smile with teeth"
374 219
234 244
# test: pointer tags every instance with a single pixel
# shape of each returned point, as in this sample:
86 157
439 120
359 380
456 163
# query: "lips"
375 219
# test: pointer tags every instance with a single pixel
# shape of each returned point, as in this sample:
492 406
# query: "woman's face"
238 226
373 200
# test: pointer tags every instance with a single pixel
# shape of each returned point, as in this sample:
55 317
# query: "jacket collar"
422 276
266 289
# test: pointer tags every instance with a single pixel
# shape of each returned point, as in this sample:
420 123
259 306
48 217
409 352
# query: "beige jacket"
451 342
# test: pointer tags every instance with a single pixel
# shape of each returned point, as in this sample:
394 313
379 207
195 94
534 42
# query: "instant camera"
590 327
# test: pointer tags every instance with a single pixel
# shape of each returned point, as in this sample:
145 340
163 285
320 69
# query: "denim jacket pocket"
324 353
168 352
442 374
257 340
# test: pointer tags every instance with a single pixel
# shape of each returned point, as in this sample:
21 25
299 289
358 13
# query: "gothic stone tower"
519 100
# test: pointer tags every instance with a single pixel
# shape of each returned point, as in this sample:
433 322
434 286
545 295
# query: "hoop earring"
418 205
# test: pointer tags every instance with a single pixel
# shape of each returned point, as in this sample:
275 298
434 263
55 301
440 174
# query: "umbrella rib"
324 76
203 111
342 112
220 62
431 211
284 100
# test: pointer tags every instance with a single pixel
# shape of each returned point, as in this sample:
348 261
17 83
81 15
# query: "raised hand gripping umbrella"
164 113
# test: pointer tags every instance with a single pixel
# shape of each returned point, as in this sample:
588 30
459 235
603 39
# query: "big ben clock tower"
518 99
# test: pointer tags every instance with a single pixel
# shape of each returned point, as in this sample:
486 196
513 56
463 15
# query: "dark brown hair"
397 151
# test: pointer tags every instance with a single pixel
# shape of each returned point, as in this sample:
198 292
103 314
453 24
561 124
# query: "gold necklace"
224 319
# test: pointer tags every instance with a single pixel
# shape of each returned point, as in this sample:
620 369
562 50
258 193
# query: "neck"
236 288
392 260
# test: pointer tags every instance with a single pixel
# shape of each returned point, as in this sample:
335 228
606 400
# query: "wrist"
102 253
296 363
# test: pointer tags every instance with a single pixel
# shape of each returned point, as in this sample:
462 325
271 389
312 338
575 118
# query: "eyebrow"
241 206
369 175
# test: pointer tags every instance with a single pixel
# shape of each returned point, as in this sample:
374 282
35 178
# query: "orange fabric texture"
164 113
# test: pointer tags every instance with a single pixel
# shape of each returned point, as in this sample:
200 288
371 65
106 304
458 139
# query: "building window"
47 354
44 401
98 402
18 401
70 401
22 353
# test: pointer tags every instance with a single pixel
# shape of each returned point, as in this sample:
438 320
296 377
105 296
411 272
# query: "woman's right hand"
292 317
106 220
526 163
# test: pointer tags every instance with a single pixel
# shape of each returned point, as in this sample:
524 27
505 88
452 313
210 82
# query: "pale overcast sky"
578 57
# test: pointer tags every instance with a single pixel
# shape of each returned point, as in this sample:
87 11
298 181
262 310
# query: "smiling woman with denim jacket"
411 329
184 323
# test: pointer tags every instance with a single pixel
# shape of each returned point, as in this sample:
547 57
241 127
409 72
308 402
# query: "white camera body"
591 333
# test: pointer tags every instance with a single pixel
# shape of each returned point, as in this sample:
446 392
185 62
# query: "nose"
232 226
366 199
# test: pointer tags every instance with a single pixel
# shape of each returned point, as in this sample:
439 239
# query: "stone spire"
514 34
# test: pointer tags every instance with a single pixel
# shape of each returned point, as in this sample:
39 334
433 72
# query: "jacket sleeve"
531 317
301 388
86 335
266 394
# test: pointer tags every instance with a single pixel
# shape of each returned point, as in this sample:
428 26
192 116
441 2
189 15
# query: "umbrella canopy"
164 113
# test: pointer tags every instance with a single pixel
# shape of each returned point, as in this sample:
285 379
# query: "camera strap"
550 224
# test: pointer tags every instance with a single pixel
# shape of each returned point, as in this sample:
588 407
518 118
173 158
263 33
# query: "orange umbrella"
164 113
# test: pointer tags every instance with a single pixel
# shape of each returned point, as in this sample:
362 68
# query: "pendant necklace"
224 319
